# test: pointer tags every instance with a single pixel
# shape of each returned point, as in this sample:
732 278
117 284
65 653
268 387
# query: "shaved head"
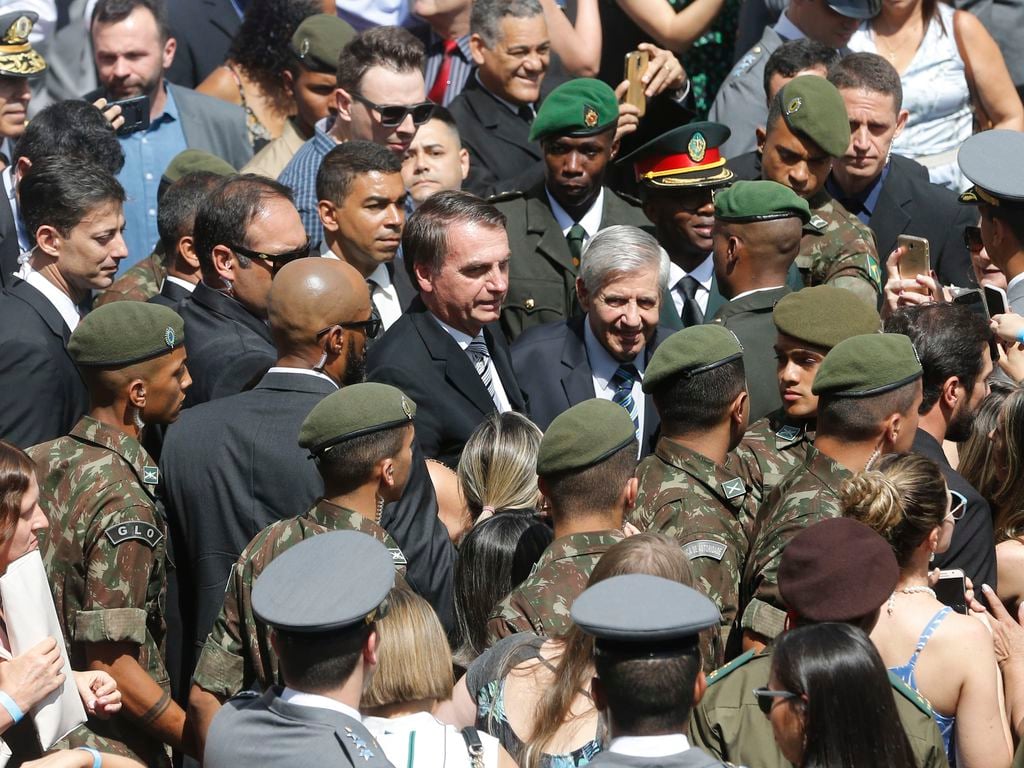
309 295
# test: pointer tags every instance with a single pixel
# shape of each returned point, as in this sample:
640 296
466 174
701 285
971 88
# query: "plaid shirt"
300 176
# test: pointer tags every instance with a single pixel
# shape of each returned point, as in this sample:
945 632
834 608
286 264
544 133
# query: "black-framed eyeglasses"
972 238
369 327
278 260
957 507
766 697
393 115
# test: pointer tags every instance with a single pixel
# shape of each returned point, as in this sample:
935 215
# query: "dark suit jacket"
551 365
203 29
909 204
9 248
403 283
419 357
171 294
43 395
501 156
541 272
228 347
972 547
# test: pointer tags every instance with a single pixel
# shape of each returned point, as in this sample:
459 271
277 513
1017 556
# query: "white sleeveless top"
936 94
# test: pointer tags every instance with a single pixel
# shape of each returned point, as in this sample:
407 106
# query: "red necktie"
441 82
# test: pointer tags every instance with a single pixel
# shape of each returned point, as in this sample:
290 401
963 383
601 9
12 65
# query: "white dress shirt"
590 221
603 367
60 300
179 282
383 294
463 340
755 290
650 746
304 372
703 274
300 699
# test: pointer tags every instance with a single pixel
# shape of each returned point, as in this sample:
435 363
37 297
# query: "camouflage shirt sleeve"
507 619
221 665
122 548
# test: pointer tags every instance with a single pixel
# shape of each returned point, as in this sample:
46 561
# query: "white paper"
31 618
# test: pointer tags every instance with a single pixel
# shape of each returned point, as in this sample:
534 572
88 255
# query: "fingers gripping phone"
951 589
915 259
995 298
135 111
636 65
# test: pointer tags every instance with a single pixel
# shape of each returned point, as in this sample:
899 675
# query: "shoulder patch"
397 557
723 672
788 433
704 548
915 698
147 533
818 223
744 64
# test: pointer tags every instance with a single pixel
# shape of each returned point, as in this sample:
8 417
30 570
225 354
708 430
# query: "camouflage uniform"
807 494
771 448
237 652
844 255
703 506
728 725
541 603
140 283
104 555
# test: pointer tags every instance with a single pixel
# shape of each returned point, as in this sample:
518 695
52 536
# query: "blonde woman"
948 658
498 468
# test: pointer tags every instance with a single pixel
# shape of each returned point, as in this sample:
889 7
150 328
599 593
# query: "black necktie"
692 313
575 237
525 114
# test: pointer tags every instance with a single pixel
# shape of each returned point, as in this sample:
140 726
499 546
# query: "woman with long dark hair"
830 701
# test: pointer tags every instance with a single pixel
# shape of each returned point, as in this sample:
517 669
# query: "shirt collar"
322 138
787 30
704 273
60 300
867 199
513 108
650 746
602 364
462 339
170 113
590 221
381 277
182 283
300 699
739 296
303 372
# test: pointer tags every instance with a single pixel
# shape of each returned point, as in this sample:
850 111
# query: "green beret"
824 315
692 350
318 41
747 201
580 107
194 161
585 435
125 332
813 107
862 366
354 411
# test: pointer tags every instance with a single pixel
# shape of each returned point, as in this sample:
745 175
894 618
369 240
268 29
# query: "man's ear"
387 472
630 492
170 47
21 167
224 262
476 48
464 162
950 393
582 295
732 253
137 393
187 251
49 240
737 407
700 685
760 135
901 122
370 648
328 215
288 84
343 104
424 277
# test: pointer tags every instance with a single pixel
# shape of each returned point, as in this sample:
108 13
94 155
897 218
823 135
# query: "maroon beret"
837 570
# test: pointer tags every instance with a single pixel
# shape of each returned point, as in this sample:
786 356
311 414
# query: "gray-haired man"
603 353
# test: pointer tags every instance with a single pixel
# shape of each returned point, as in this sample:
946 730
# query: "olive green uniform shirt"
140 283
771 448
843 254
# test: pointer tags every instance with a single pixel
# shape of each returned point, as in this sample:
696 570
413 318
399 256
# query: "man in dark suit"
204 30
43 394
245 231
892 195
604 352
446 352
362 202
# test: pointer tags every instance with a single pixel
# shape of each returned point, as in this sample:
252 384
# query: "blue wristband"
97 758
1020 337
12 709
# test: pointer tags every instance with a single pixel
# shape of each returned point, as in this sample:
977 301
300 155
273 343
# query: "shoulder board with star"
503 196
748 60
722 672
910 695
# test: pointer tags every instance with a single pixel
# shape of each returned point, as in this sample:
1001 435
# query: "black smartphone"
135 111
995 299
951 589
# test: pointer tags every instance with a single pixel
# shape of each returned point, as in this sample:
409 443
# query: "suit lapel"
35 299
541 221
458 369
890 219
578 377
499 121
403 285
503 364
715 301
668 315
9 248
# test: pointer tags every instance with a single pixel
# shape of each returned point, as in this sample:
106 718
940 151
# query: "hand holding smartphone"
914 259
636 66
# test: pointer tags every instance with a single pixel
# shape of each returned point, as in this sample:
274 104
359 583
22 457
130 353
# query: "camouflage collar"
829 471
336 517
788 433
578 545
819 201
723 483
92 431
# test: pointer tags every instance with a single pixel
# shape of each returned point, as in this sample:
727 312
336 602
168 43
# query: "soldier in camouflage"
697 383
585 467
361 440
140 282
807 127
808 324
869 389
835 570
105 549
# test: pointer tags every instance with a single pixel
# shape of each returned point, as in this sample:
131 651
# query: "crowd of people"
442 383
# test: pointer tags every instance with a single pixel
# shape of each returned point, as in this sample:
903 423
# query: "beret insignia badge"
407 408
304 47
794 105
589 116
697 147
169 336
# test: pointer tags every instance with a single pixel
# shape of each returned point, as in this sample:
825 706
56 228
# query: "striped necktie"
623 380
481 357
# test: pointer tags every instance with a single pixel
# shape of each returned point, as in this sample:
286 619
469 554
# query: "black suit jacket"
228 347
419 357
553 370
203 29
909 204
406 291
501 156
43 395
171 294
9 248
972 547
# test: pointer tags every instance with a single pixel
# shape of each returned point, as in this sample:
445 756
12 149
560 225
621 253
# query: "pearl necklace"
909 591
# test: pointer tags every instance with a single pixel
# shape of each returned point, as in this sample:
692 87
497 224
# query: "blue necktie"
623 380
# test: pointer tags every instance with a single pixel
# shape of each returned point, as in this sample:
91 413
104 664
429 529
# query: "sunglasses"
765 698
369 327
972 238
393 115
278 260
957 507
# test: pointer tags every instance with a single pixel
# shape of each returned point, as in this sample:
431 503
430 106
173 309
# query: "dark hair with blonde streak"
903 500
649 553
980 459
1004 487
16 472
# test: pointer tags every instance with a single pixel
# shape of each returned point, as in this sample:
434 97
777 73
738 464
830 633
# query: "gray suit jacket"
1015 298
213 125
691 758
264 730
